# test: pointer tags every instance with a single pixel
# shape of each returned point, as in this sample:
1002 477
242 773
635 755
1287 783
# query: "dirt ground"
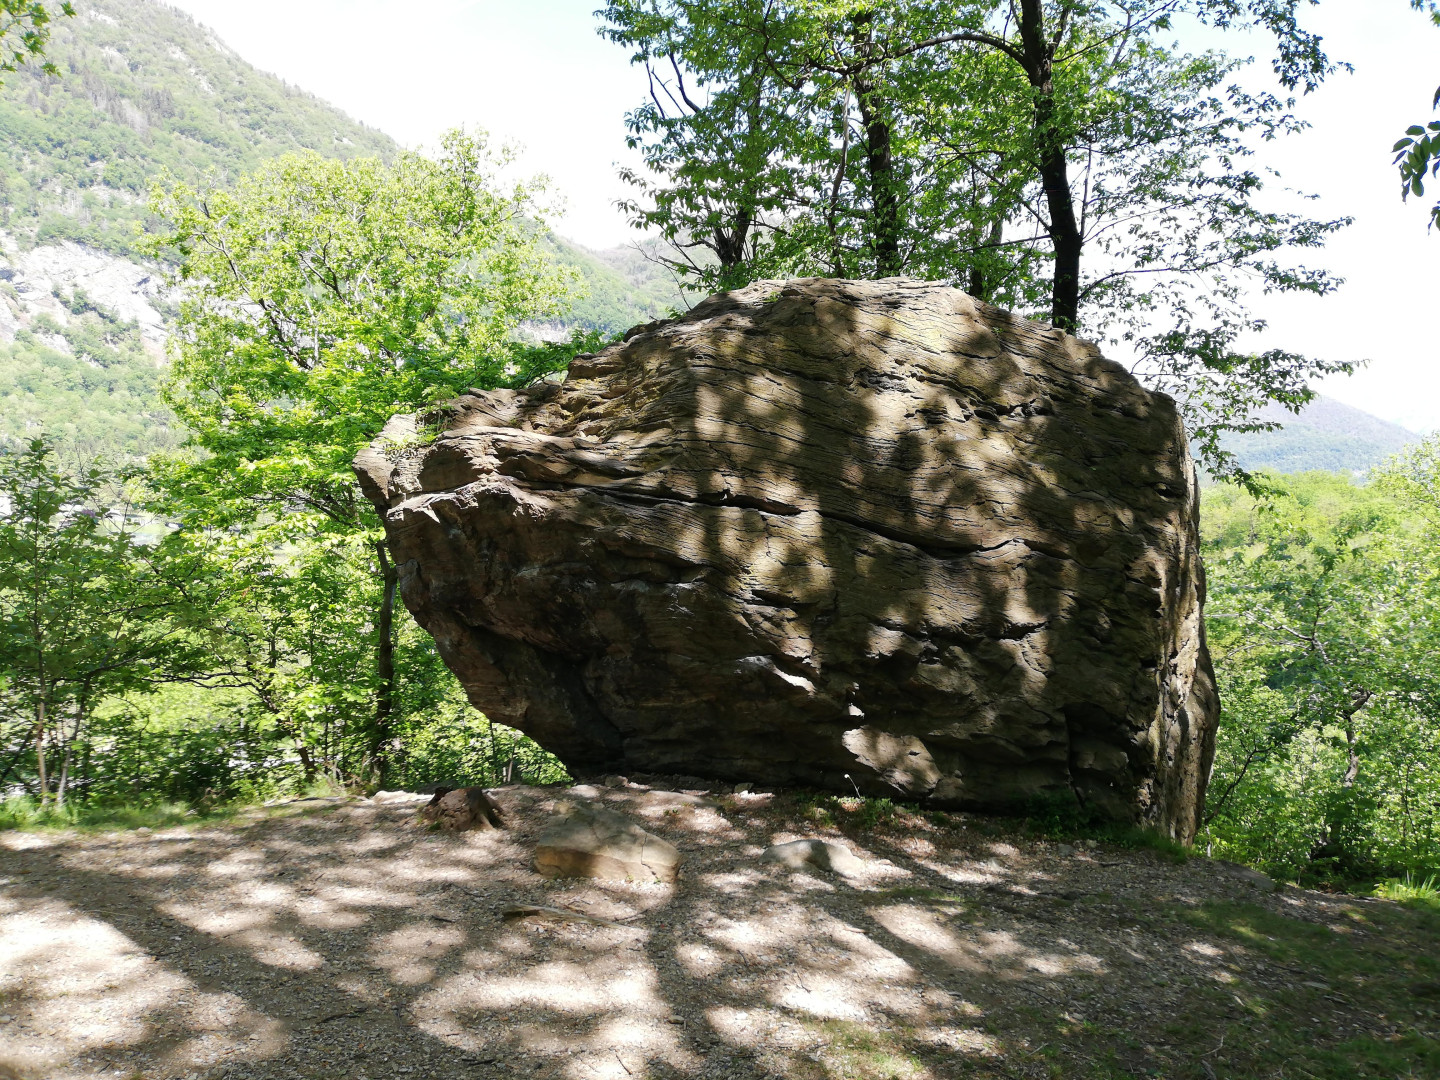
341 940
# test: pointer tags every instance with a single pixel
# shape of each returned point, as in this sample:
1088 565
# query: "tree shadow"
868 535
351 942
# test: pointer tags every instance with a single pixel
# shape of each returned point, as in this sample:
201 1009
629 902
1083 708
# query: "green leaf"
1401 145
1415 129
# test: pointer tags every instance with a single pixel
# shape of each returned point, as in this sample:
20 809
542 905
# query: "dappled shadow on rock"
829 533
348 941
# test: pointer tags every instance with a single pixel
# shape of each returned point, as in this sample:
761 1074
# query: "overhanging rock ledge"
822 532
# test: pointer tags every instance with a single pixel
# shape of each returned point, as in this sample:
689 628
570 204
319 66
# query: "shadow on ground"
339 940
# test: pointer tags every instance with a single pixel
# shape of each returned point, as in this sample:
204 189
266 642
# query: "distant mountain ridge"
145 90
1327 435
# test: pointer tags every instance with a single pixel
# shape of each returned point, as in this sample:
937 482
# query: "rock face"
822 532
590 841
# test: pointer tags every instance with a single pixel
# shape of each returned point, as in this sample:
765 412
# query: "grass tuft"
1408 890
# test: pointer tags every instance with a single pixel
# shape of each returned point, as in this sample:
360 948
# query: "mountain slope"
1327 435
143 89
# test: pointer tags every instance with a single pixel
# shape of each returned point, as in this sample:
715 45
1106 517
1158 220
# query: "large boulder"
828 533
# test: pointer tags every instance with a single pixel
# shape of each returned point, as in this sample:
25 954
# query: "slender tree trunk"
1064 228
837 260
382 733
879 158
884 193
67 760
980 284
40 751
1352 758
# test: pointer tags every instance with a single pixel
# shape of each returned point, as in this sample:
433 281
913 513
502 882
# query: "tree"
291 636
1051 155
1418 153
24 29
86 609
320 298
1324 619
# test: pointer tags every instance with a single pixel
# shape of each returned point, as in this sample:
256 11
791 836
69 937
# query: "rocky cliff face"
823 532
33 283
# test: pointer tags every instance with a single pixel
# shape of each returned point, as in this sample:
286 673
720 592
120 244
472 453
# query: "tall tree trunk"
381 732
879 158
1064 228
884 194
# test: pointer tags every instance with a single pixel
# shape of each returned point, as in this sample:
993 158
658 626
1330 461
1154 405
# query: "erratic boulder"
822 532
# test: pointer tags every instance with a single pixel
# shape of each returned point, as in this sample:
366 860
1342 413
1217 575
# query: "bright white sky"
535 72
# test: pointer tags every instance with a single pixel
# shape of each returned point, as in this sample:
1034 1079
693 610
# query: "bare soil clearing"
341 940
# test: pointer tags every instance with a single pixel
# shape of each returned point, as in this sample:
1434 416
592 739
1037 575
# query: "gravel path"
340 940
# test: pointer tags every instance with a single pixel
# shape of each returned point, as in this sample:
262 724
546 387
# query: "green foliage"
323 297
24 31
1061 159
86 611
1324 618
530 361
26 812
464 747
1418 153
1411 890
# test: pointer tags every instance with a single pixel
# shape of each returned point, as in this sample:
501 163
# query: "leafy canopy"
24 29
1323 617
1418 153
1058 157
86 611
322 297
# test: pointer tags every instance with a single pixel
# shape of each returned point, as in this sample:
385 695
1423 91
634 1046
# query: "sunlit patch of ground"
343 941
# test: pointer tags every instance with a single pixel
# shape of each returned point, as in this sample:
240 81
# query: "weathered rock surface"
590 841
826 529
458 809
817 854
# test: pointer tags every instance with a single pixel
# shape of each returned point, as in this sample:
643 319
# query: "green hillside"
619 287
1327 435
144 88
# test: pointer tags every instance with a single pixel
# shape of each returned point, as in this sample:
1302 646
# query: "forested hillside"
143 91
1327 435
143 88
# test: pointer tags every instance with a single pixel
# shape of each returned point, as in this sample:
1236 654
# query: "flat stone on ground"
589 841
813 854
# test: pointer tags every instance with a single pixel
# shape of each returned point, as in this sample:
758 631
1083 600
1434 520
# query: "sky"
535 73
